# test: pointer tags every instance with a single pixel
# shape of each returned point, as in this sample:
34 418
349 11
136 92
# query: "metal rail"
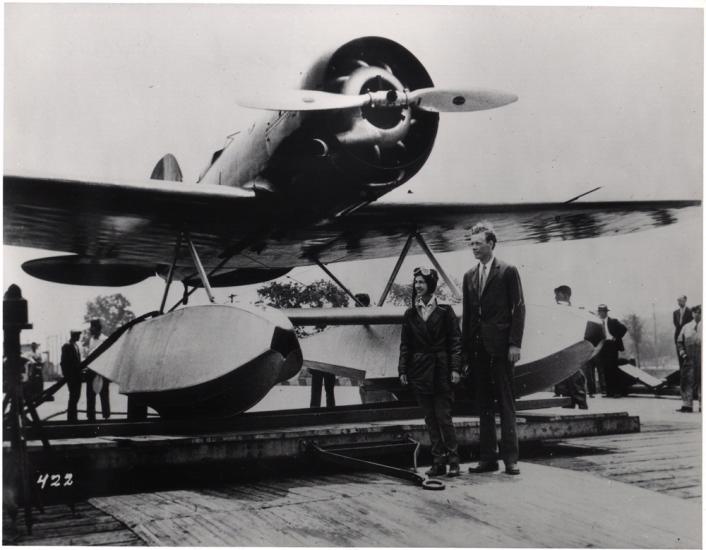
282 419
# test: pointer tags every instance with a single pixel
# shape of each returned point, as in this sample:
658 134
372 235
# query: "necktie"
482 279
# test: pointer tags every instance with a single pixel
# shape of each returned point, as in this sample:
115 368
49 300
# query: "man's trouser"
329 382
74 386
575 387
91 397
690 376
493 382
437 416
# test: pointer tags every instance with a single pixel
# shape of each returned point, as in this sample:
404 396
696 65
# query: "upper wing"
138 223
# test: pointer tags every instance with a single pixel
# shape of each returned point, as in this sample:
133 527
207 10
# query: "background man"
575 385
680 317
613 331
95 381
492 328
35 371
689 347
71 371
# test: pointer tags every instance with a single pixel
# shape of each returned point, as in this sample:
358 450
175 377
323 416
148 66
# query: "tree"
635 328
294 294
113 311
401 294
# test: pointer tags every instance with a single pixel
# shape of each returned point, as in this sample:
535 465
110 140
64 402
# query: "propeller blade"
303 100
438 100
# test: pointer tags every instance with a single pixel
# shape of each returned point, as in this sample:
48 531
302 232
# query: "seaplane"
298 187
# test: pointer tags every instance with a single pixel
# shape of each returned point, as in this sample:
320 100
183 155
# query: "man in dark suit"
71 370
613 332
492 328
680 317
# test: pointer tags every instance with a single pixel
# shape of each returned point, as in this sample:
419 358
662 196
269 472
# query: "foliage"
113 311
401 294
294 294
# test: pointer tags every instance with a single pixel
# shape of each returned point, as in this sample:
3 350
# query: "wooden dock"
633 490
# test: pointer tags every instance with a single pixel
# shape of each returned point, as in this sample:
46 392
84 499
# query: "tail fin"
167 169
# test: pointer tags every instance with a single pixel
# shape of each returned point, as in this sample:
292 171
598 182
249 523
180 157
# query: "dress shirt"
425 310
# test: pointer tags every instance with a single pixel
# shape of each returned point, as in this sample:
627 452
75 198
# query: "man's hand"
513 354
403 379
455 377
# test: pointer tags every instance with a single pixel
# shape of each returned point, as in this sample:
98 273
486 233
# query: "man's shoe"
484 467
583 407
454 470
685 410
512 469
437 470
568 406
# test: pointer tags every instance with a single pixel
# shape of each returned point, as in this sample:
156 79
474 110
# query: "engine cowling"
379 145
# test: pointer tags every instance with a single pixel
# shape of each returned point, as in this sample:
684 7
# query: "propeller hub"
385 126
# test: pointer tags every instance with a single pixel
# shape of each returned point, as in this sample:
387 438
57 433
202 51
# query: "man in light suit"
492 328
681 317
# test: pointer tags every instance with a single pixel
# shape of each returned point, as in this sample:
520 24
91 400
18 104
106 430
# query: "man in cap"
689 346
573 386
95 383
71 371
612 344
492 329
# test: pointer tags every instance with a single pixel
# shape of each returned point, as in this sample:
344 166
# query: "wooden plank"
366 509
93 539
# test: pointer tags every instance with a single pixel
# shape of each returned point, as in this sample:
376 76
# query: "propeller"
433 100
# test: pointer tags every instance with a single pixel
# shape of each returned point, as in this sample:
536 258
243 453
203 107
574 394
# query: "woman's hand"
403 379
455 377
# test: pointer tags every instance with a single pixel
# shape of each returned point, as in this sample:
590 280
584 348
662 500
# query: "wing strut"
339 283
200 269
432 258
171 273
396 269
437 265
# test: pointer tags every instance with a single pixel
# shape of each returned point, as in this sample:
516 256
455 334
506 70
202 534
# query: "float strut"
200 269
396 270
171 274
339 283
438 267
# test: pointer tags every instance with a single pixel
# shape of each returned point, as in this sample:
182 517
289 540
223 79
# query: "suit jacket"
688 317
430 350
498 314
70 362
617 330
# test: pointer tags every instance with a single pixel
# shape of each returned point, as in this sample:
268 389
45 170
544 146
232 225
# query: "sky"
609 97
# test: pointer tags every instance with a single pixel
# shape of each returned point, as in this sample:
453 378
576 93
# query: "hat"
430 276
603 307
75 331
96 322
564 289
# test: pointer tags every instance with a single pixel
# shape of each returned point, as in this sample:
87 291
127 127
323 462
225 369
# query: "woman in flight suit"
430 362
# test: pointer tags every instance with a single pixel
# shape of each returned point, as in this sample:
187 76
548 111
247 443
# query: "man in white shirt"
573 386
680 317
95 383
689 347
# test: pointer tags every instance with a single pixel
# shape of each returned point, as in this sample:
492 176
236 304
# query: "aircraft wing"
380 229
137 223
